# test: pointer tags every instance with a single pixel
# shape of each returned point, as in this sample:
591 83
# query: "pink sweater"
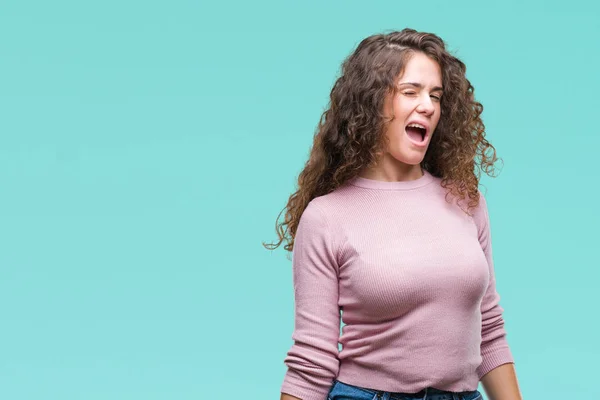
413 278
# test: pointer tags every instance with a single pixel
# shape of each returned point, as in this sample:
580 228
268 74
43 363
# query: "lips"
423 124
417 135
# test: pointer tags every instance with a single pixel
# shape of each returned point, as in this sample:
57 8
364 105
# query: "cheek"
402 108
438 115
395 131
398 133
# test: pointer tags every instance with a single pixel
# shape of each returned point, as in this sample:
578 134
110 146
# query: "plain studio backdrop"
146 149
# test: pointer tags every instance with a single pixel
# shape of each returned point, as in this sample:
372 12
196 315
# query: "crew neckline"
392 185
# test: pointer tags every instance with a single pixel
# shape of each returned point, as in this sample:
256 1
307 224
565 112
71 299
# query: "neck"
405 172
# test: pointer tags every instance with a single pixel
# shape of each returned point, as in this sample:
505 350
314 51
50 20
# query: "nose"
426 106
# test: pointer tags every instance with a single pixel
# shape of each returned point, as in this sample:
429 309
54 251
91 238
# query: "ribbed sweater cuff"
296 386
493 359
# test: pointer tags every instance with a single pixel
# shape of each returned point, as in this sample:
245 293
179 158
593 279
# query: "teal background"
146 149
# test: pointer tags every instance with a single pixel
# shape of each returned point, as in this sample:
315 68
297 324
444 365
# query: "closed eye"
410 93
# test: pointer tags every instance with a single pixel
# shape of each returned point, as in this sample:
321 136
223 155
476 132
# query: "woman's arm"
312 360
497 371
501 383
495 350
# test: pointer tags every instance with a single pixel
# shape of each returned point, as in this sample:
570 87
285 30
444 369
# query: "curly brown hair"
350 134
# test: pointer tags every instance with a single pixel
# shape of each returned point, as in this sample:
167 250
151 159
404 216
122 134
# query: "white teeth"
417 126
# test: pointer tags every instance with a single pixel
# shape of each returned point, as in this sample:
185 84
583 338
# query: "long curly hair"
350 135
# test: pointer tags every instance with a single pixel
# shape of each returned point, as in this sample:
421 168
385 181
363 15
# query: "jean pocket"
344 391
331 389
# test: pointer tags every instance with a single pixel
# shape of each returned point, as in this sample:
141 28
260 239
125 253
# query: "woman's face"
417 101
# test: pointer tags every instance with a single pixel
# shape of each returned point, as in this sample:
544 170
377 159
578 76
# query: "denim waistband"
341 390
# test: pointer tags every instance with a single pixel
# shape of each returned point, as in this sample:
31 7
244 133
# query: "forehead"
422 69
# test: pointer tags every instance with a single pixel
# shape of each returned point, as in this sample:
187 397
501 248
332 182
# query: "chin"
413 162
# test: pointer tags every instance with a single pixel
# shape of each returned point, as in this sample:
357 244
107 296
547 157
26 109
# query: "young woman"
391 234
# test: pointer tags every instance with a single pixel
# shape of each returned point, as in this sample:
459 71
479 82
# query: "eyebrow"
418 85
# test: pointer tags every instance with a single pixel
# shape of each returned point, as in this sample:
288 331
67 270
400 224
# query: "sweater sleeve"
312 360
495 350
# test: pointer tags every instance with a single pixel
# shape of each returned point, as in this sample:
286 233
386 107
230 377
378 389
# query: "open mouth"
415 133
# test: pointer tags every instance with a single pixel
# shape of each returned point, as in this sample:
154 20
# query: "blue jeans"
344 391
